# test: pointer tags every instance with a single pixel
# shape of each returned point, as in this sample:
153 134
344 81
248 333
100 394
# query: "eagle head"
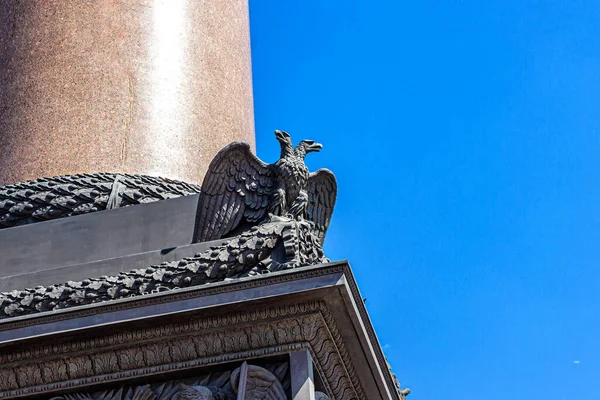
283 138
307 146
285 141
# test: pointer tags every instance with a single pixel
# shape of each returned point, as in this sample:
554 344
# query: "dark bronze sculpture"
240 190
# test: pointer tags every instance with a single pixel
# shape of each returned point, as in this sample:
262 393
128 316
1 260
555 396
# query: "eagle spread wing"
237 186
252 382
322 193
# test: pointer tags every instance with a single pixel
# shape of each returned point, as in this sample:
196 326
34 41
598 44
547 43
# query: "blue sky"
465 138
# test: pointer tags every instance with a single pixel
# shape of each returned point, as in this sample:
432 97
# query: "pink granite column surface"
151 87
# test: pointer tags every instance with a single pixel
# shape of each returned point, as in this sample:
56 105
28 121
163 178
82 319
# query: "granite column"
151 87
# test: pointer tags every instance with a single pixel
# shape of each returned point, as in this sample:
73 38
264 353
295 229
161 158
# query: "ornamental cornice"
190 344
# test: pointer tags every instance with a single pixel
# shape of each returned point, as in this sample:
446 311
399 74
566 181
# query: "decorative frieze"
246 381
195 343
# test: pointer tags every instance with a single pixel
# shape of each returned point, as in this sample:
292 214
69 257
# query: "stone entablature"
258 288
284 313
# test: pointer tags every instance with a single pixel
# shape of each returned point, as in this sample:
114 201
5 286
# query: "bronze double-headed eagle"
239 190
